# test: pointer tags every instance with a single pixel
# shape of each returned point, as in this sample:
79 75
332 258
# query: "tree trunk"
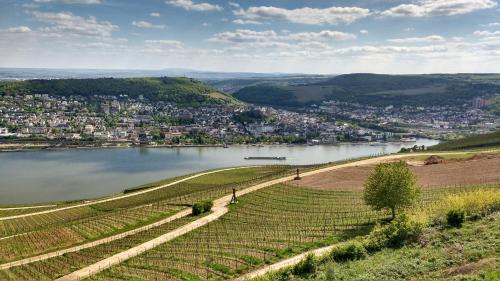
393 213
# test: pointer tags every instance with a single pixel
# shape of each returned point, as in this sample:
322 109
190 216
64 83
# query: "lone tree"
391 186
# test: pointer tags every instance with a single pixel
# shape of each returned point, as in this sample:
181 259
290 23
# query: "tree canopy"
391 186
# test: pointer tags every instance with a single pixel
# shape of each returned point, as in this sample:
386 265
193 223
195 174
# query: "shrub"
207 206
306 266
201 207
348 252
197 209
455 218
402 229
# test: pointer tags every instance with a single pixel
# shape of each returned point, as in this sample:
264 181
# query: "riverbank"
23 147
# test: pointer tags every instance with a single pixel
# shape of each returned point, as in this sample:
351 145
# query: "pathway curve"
121 196
283 264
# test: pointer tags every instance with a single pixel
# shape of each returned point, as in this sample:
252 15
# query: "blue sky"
307 36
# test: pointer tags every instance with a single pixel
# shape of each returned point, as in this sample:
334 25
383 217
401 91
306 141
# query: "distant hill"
476 141
377 89
184 91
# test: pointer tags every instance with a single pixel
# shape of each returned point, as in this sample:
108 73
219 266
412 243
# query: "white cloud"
161 46
66 22
145 24
429 8
363 31
427 39
322 35
270 38
244 35
306 15
245 22
84 2
365 50
234 4
206 24
18 29
491 24
156 15
189 5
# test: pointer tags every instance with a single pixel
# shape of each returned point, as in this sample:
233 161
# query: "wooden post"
297 177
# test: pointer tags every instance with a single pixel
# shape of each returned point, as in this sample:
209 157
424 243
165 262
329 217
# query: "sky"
291 36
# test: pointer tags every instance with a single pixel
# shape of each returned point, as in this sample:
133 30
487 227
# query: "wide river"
44 176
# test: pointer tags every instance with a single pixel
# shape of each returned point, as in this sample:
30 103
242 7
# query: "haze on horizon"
303 36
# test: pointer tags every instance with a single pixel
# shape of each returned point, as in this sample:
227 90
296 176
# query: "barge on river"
266 158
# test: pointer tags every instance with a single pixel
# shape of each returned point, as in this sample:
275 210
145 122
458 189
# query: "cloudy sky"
307 36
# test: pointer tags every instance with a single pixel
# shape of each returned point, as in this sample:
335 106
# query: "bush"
401 230
306 266
397 233
348 252
455 218
201 207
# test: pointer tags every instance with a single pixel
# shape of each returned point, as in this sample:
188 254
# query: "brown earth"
484 169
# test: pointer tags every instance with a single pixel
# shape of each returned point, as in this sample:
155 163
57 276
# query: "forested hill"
377 89
183 91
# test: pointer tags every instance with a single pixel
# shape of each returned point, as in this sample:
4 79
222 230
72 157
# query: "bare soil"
480 169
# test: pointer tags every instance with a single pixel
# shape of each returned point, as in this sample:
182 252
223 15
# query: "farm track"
284 263
121 196
219 210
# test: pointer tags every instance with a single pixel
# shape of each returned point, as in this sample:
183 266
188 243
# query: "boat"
266 158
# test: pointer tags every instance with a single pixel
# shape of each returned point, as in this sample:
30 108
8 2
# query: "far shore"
24 147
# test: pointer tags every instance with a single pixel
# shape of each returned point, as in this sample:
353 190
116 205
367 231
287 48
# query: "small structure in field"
433 159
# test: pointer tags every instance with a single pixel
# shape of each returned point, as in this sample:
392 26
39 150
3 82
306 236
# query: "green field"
263 228
471 142
42 233
470 253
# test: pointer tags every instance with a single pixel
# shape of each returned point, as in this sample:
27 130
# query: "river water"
45 176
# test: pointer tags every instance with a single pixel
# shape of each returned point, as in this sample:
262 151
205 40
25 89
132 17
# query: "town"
122 120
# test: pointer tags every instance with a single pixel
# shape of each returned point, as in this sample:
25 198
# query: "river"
45 176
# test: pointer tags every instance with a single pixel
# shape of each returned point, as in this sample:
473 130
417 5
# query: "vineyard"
37 234
264 227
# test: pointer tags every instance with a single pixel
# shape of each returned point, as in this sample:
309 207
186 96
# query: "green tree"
391 186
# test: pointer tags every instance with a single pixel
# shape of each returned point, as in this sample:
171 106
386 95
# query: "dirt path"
283 264
121 196
27 207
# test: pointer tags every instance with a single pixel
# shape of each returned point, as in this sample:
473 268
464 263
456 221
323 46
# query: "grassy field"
470 253
477 141
37 234
263 228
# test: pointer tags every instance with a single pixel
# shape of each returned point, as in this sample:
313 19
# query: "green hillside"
377 89
476 141
183 91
